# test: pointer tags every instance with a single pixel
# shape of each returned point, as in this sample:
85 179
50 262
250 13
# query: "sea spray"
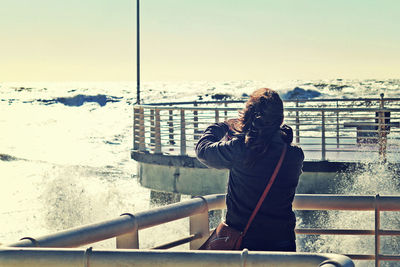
73 196
369 178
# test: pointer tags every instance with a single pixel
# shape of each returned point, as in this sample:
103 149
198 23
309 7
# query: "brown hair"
259 120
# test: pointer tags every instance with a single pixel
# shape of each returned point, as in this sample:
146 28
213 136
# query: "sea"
65 156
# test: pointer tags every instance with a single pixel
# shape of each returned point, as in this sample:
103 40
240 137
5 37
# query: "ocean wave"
6 157
77 94
300 93
79 100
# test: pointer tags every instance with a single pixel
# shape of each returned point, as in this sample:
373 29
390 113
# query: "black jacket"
275 220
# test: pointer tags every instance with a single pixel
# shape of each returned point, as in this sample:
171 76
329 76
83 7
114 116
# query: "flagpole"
137 53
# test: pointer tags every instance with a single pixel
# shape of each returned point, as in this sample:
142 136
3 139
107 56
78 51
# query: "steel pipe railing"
102 258
125 224
125 228
345 202
141 220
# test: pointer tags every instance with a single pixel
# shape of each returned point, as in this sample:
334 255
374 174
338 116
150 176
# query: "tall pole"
137 53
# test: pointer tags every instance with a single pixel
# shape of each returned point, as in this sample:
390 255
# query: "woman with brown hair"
250 147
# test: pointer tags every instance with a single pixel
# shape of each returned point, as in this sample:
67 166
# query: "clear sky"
94 40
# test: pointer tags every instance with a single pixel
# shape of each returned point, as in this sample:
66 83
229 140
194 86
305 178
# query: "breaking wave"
79 100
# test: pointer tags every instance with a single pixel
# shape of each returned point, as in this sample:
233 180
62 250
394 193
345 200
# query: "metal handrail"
286 109
125 224
126 227
98 258
175 129
286 101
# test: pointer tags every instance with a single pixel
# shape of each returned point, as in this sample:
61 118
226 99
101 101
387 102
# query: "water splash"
370 178
73 196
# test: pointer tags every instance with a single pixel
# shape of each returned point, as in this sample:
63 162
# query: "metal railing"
11 257
126 227
326 129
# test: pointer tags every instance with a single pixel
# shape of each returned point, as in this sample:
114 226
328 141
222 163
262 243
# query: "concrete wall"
195 181
185 175
188 181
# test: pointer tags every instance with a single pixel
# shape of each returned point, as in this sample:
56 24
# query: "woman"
250 147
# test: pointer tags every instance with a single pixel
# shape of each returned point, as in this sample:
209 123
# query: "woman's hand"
287 133
231 125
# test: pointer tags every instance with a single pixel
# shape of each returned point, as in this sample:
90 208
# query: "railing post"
377 231
171 127
199 225
195 123
225 112
142 140
297 123
337 125
323 141
216 115
183 133
129 240
157 133
382 134
152 129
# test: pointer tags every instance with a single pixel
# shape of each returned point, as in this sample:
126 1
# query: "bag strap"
267 188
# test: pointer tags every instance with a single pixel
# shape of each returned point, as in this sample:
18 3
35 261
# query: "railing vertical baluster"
171 127
142 139
337 125
128 241
382 134
216 115
323 141
199 225
183 133
297 123
225 112
152 129
157 133
195 123
377 231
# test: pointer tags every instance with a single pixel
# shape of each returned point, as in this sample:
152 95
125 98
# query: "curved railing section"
326 129
126 227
